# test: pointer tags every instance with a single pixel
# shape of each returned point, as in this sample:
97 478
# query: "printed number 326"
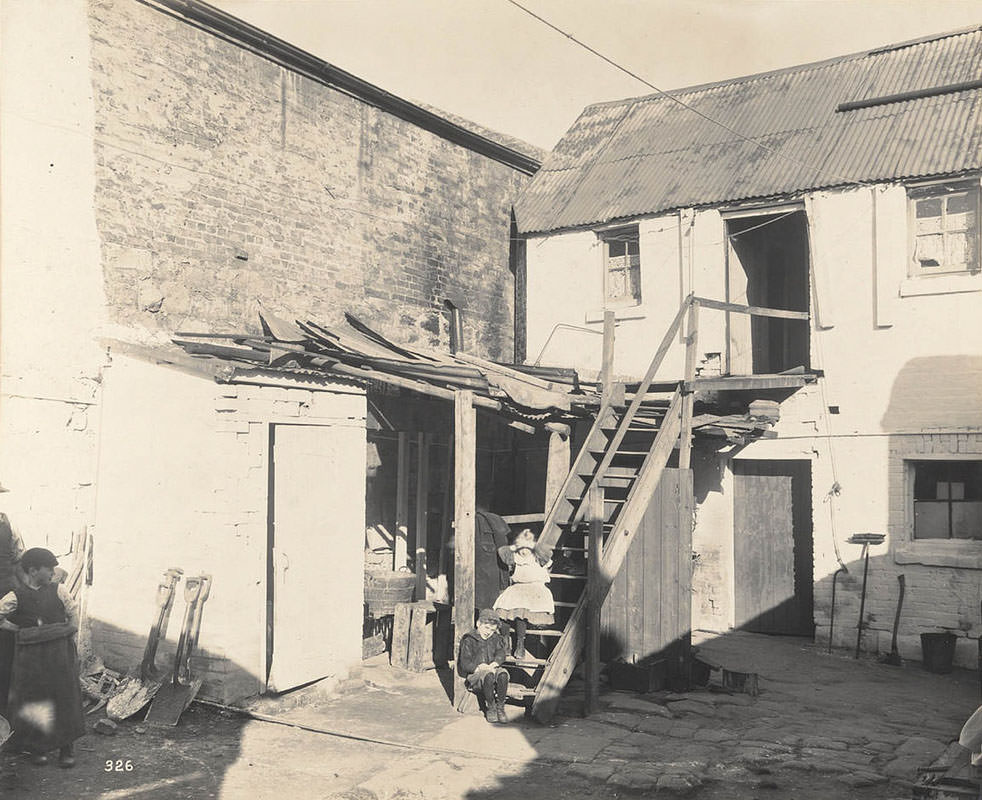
119 765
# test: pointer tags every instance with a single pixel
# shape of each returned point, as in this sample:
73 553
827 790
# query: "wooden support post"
465 463
557 466
422 510
595 515
691 345
401 548
446 525
607 357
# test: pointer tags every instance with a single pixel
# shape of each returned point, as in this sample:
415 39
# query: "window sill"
940 553
941 284
624 312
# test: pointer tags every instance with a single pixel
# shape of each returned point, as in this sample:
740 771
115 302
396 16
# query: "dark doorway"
772 547
768 266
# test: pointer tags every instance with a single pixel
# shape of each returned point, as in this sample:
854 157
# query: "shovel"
133 694
173 698
893 657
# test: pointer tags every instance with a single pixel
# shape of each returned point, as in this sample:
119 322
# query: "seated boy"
482 652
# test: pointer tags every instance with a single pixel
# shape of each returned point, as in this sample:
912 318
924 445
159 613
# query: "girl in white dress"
528 599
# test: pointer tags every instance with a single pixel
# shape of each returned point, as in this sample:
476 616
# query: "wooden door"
772 548
316 534
648 610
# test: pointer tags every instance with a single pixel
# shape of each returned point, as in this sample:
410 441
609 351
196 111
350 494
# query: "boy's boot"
521 626
501 694
490 706
66 757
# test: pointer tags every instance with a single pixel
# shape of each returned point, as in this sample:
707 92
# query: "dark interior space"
771 252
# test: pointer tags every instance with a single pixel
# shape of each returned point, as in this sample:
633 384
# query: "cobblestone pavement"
823 726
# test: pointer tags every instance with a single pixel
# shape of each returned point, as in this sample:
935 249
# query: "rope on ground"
384 742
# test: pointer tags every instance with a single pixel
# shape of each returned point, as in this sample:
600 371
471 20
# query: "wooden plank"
568 649
446 518
519 519
491 366
632 571
465 465
763 547
691 346
557 466
401 548
607 355
420 654
683 554
400 635
594 601
754 311
422 510
668 567
739 383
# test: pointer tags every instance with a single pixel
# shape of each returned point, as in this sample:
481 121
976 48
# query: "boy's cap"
38 557
488 615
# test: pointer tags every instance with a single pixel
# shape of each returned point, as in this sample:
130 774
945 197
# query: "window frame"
950 501
624 233
942 190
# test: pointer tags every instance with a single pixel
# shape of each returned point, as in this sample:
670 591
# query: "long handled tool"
133 694
865 539
174 697
893 657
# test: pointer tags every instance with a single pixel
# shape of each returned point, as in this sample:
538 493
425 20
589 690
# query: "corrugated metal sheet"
650 154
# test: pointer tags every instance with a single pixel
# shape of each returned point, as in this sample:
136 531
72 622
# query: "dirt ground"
823 727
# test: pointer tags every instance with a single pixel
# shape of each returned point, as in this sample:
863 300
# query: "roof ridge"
795 68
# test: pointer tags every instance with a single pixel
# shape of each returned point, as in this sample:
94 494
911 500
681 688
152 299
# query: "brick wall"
223 178
943 578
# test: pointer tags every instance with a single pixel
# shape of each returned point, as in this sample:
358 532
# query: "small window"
622 267
947 499
945 228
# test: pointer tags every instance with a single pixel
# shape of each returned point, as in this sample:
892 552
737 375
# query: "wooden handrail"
667 341
754 311
550 528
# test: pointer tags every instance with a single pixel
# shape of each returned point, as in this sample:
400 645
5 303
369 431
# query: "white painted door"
317 523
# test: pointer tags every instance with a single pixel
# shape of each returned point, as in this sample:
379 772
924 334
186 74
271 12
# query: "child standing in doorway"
528 600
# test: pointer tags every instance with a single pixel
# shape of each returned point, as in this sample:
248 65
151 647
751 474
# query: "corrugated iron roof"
650 154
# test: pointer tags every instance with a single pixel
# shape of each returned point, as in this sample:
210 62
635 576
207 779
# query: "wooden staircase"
618 467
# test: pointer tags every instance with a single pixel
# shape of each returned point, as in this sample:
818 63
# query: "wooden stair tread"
528 661
567 576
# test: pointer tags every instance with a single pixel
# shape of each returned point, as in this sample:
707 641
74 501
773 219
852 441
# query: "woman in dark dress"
11 549
45 702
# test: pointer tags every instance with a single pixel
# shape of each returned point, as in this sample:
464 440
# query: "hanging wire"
674 99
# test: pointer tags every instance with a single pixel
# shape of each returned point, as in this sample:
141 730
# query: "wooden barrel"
386 588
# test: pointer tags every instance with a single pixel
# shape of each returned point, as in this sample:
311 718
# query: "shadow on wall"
936 600
191 759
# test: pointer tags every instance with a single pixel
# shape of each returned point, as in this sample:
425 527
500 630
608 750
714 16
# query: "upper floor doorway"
767 265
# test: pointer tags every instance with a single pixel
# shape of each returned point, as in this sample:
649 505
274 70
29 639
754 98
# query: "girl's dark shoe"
38 759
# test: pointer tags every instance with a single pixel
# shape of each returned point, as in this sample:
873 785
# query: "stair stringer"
567 652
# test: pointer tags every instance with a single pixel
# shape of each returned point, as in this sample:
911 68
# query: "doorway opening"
773 547
767 265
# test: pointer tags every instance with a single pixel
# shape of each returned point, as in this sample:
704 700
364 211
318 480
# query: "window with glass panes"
947 499
622 262
945 228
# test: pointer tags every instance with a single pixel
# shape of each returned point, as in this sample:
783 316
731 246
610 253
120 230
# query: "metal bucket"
938 651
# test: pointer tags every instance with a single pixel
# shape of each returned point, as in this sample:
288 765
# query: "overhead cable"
682 103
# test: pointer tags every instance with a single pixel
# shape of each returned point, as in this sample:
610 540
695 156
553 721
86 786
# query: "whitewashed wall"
901 360
183 476
51 294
